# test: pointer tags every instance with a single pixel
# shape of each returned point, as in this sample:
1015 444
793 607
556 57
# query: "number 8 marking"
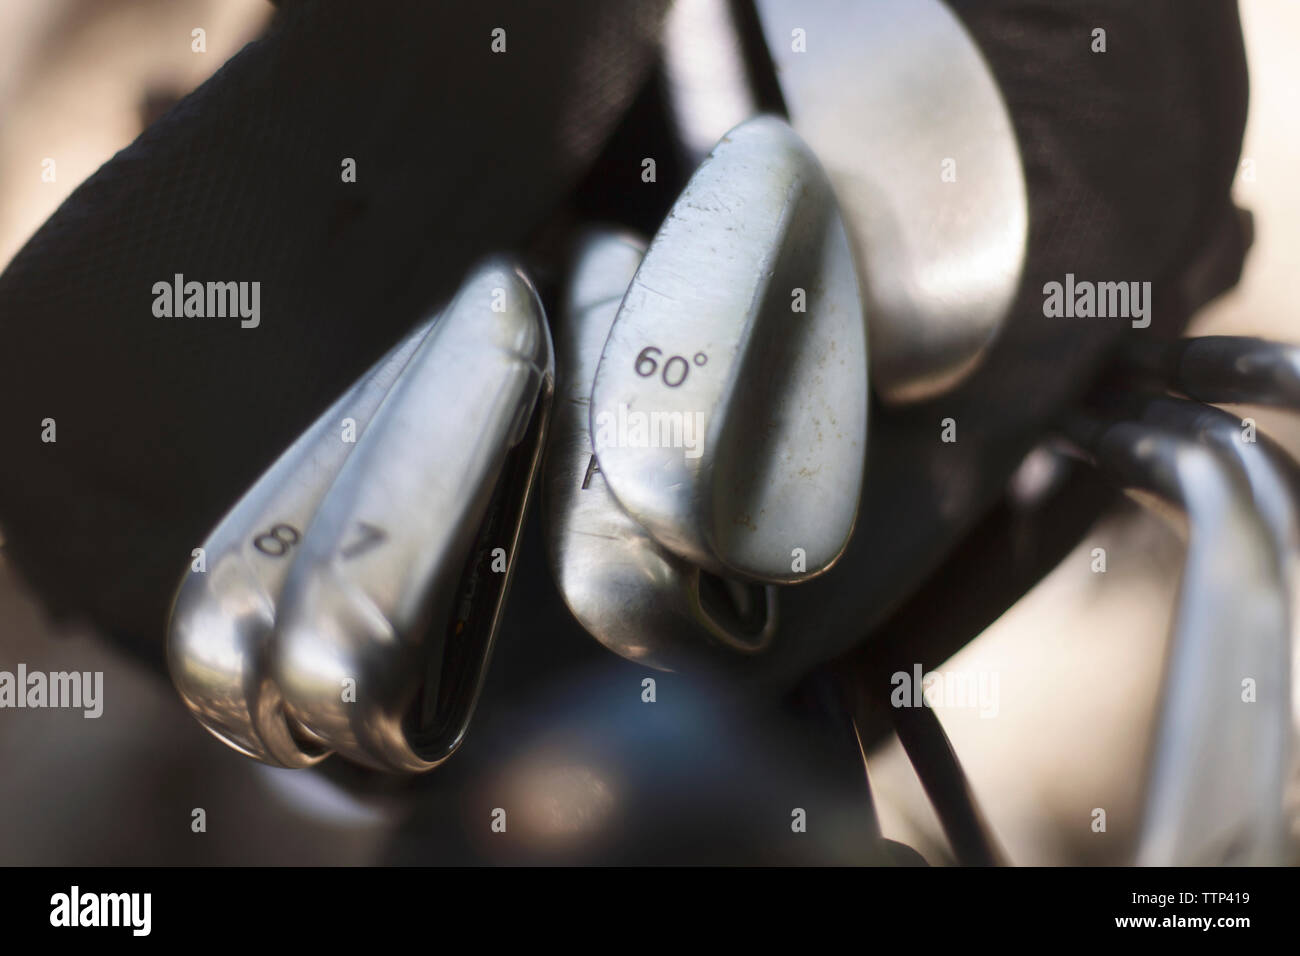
277 542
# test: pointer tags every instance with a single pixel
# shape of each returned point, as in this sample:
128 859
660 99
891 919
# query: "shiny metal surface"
222 618
1218 762
387 619
886 93
639 600
1264 465
705 75
1225 368
730 425
1273 477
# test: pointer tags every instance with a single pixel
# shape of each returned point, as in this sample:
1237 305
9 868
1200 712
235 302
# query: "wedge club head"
223 616
388 615
635 597
729 410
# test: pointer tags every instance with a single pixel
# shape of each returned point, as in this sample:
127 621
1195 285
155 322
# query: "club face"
389 612
1218 767
223 617
639 600
729 410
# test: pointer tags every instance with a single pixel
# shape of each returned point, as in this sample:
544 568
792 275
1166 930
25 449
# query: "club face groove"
367 652
222 619
728 422
638 599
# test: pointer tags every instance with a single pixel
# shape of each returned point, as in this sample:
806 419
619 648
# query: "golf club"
1214 792
223 615
1273 476
729 410
898 103
639 600
389 613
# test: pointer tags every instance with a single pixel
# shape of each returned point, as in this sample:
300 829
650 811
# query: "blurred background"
1077 661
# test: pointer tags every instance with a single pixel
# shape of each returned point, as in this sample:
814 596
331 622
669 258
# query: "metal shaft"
1221 745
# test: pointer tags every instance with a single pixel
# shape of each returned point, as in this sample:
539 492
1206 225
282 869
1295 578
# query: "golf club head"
1220 758
897 102
899 105
223 616
388 615
729 409
638 599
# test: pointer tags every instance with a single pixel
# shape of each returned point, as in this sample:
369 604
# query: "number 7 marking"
370 537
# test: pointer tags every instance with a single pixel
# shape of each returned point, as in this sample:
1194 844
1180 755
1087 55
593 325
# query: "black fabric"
161 424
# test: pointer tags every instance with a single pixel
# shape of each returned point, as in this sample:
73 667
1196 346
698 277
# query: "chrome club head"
924 158
899 105
223 616
639 600
387 620
729 410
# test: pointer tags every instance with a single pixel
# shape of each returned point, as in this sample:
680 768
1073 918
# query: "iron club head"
639 600
389 613
223 616
729 409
